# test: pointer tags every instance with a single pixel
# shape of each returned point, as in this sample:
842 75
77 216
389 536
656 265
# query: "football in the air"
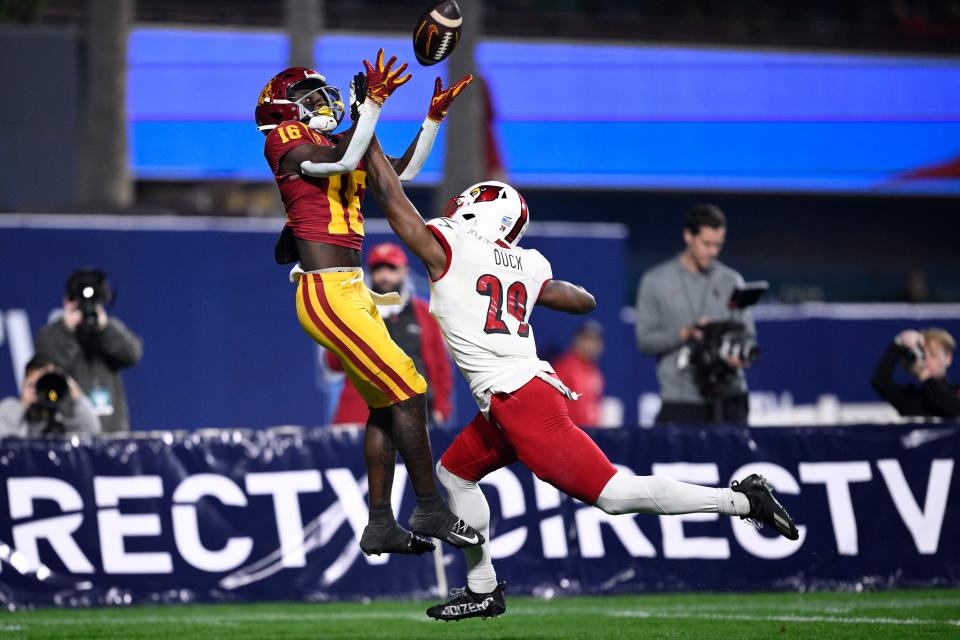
437 32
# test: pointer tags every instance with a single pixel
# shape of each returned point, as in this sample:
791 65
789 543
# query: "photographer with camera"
93 347
926 355
686 320
50 404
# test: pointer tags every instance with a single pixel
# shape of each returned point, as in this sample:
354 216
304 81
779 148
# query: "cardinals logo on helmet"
494 210
486 193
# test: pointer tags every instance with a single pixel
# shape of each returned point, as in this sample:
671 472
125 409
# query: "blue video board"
583 115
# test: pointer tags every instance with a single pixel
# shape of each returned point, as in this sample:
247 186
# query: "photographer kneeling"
51 404
926 355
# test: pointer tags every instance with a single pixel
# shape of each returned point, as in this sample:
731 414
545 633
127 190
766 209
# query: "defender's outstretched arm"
404 219
565 296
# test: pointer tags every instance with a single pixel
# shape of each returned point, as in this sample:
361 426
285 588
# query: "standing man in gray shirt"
675 299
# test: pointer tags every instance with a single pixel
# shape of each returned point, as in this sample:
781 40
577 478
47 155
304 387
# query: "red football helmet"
299 93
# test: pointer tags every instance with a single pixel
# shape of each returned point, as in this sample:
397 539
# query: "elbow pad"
367 122
428 135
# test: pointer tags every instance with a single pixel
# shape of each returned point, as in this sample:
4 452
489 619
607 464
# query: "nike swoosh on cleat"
473 540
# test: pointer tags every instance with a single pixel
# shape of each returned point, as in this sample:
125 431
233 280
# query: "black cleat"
764 508
466 604
442 524
392 539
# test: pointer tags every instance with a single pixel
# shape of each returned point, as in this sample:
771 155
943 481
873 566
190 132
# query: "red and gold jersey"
323 210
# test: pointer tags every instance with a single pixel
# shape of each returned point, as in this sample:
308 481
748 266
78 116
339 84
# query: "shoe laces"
752 521
461 527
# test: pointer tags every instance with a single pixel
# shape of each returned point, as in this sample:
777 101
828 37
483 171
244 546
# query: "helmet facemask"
321 106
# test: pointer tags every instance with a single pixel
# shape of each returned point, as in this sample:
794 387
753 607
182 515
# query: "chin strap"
428 135
369 114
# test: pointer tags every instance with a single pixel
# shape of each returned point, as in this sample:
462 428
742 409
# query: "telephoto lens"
52 391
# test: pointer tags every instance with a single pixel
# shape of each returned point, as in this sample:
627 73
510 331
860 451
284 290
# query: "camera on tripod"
722 341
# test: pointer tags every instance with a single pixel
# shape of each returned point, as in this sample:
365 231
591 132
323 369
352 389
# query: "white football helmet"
494 209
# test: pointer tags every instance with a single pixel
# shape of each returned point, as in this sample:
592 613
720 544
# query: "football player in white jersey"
483 287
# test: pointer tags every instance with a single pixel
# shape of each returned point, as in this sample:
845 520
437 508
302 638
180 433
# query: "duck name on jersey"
504 259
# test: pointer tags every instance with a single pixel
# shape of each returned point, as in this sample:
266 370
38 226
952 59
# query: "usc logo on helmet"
266 93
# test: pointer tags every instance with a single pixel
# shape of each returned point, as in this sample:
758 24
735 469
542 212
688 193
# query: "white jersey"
483 303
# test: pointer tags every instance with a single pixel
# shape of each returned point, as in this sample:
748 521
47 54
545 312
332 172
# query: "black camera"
912 356
723 340
89 288
52 403
708 357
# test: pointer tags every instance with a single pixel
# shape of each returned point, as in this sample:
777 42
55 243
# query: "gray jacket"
669 298
97 370
13 423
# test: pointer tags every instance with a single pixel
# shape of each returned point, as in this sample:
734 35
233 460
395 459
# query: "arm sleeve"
369 114
84 419
428 135
653 339
943 398
883 382
121 346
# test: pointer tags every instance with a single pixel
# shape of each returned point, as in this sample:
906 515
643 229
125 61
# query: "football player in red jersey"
321 179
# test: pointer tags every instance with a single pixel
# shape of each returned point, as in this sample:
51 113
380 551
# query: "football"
437 32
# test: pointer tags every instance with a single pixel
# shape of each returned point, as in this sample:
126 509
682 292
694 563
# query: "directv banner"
261 515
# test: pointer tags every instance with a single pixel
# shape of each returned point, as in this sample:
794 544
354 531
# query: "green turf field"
891 614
